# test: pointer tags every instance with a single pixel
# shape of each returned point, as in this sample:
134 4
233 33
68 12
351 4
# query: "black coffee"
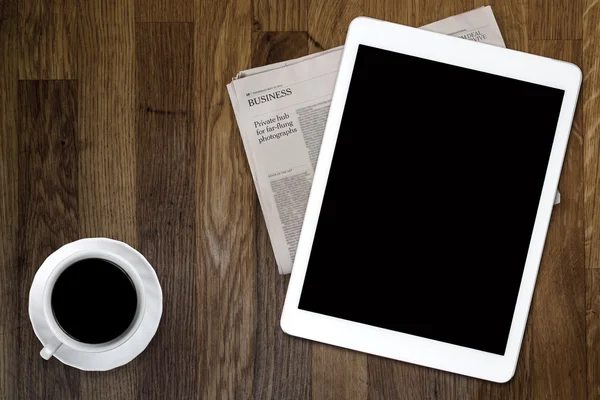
94 301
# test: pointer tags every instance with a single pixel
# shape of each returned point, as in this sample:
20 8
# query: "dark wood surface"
115 122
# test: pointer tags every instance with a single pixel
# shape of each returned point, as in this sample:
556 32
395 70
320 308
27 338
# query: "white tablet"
410 247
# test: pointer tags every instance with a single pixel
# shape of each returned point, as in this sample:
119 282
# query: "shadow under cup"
94 301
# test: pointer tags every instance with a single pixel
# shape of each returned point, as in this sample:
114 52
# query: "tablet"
410 247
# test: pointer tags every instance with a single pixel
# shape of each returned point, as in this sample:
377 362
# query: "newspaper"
281 110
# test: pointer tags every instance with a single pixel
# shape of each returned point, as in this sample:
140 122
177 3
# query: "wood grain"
591 130
115 121
593 332
30 30
280 15
591 125
400 12
107 162
48 217
389 379
272 47
226 234
165 201
164 10
106 147
555 19
328 22
338 373
286 362
559 300
283 364
9 198
47 39
439 9
58 42
512 17
483 3
591 134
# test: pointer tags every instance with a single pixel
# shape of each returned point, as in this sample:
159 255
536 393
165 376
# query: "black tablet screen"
431 199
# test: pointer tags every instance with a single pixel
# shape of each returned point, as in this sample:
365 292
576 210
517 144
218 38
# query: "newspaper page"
281 110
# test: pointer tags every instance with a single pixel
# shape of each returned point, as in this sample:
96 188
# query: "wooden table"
115 121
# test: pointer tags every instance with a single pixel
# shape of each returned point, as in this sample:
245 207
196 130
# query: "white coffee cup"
60 337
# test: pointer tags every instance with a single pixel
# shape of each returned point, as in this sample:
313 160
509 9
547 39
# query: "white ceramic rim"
60 334
104 361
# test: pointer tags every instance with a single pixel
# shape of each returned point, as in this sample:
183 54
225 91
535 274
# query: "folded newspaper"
281 110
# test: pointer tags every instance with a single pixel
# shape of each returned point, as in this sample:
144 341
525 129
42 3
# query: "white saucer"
128 350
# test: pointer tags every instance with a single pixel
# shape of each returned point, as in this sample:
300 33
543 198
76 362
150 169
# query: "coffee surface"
94 301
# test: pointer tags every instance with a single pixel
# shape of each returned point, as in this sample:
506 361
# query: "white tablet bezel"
401 346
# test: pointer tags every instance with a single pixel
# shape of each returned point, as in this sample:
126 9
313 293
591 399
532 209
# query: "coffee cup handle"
50 348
